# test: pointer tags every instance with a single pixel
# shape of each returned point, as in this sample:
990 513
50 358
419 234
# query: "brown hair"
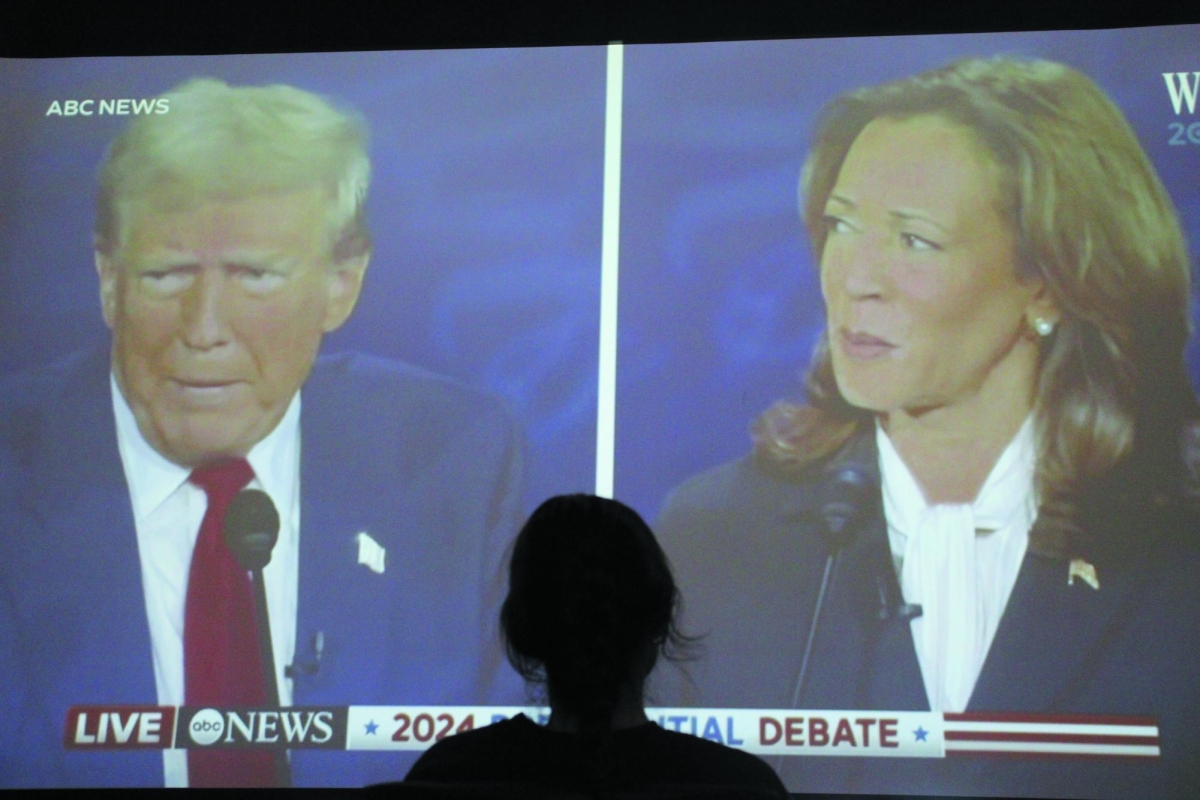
1093 221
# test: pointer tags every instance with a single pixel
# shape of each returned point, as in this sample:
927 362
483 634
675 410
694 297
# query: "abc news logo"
159 727
290 728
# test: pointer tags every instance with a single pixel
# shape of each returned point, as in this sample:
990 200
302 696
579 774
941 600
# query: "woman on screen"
1006 291
590 607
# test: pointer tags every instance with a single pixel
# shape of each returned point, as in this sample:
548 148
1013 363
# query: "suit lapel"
1052 630
862 658
1036 658
338 597
79 484
863 654
90 547
891 674
1050 635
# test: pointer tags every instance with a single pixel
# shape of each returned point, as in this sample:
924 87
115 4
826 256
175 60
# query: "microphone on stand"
251 530
846 494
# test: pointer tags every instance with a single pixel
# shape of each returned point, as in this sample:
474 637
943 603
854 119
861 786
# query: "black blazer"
748 558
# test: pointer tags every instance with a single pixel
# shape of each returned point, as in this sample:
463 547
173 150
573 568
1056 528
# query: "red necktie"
221 661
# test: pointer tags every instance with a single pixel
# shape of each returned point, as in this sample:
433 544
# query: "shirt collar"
152 478
276 459
1005 497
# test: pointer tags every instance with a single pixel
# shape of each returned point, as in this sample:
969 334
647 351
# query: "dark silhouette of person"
591 605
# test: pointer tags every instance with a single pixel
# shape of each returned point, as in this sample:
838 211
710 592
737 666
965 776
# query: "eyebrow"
171 257
272 258
907 215
837 198
902 214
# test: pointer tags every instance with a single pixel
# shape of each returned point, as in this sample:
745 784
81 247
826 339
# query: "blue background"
719 301
484 209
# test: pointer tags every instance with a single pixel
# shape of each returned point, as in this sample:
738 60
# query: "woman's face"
922 294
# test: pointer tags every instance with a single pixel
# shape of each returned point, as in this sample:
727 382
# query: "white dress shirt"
959 562
167 511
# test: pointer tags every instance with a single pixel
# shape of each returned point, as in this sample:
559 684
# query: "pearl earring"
1044 327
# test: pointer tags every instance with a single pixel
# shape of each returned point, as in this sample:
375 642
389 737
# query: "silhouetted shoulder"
517 751
494 753
711 763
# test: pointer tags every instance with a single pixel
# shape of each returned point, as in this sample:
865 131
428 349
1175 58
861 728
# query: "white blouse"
959 562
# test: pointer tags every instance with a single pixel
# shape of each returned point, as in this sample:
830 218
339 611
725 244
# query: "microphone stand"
831 562
251 528
846 493
283 768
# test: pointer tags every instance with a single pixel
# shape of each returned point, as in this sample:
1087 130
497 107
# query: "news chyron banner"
894 734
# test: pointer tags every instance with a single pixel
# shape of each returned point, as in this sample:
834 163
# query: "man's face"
217 314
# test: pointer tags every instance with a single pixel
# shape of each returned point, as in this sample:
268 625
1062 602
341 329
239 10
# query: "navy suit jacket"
428 468
749 560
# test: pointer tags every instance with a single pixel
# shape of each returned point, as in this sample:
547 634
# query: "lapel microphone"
846 493
890 608
312 666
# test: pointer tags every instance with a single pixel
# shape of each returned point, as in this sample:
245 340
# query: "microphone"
251 529
890 608
311 667
846 493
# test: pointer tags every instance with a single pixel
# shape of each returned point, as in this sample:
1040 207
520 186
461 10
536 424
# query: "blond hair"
219 142
1093 221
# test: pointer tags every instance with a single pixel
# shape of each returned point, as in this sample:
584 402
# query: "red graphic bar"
1047 755
1056 719
1058 738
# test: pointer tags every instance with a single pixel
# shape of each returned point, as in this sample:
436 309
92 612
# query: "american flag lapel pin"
370 553
1081 569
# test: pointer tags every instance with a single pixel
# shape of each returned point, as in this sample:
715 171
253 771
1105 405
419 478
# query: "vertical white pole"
606 414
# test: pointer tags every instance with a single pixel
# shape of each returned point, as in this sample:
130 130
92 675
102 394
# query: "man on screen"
229 239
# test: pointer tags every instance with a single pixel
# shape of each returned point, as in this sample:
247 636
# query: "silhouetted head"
591 605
